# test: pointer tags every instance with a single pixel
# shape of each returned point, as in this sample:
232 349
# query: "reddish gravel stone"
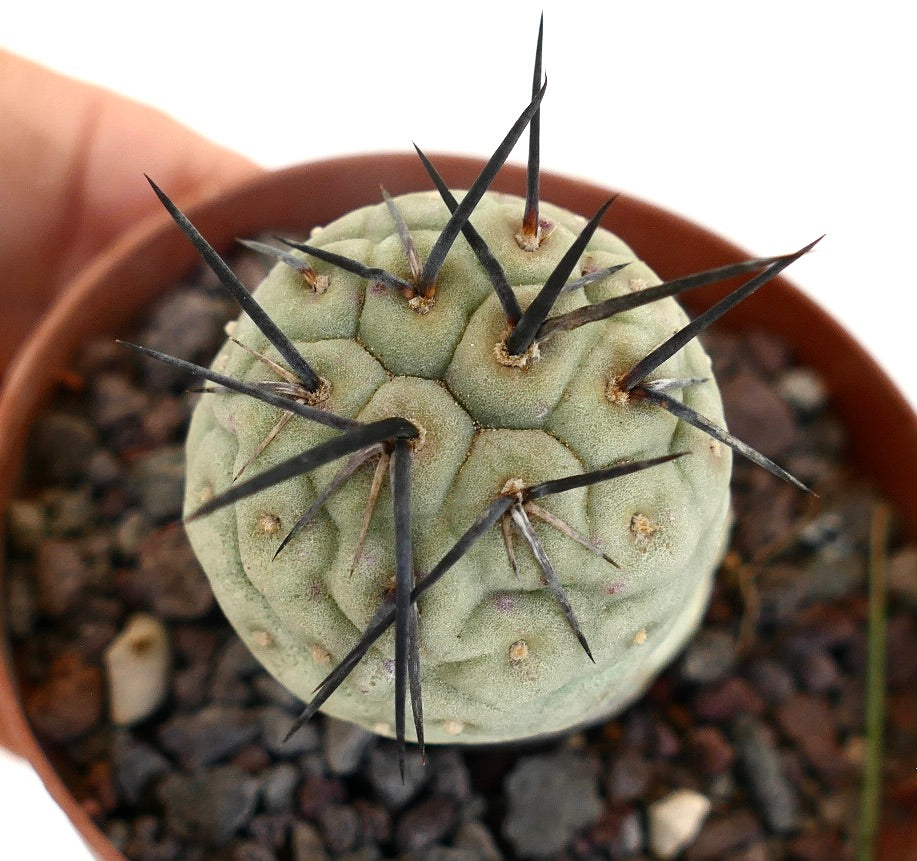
710 750
809 722
721 836
70 702
726 700
318 792
821 846
425 824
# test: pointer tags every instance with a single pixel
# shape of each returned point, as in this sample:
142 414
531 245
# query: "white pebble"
674 821
137 665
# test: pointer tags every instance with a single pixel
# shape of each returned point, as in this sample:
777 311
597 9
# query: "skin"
72 159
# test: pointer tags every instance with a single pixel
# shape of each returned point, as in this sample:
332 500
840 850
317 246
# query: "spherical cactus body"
500 656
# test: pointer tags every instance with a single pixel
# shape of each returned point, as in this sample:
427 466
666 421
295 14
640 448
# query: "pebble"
20 600
306 843
232 668
340 827
722 836
810 722
757 415
186 323
61 576
208 805
781 592
166 417
103 468
771 680
709 656
628 776
804 389
317 791
130 533
385 777
901 633
137 666
345 744
157 481
68 512
475 837
618 834
115 400
60 446
70 702
269 689
817 847
25 524
278 786
271 829
208 735
450 774
833 575
169 579
375 821
135 766
441 853
764 770
710 750
674 821
364 853
275 723
902 576
818 672
252 851
726 699
548 799
425 823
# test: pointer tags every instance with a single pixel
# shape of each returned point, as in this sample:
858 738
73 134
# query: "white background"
771 123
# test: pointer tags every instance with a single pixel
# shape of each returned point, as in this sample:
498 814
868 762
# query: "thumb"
73 158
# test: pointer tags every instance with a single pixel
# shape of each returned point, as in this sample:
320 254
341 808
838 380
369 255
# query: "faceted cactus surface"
499 657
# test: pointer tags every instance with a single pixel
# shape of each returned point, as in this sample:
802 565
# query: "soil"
750 747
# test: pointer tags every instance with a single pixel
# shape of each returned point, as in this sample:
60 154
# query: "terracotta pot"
114 289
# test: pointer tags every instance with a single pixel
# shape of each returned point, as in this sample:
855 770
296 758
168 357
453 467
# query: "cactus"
485 475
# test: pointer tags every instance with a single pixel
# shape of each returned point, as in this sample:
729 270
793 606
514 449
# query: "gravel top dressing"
749 748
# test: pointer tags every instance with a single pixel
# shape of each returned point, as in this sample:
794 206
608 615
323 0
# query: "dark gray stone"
549 798
340 825
275 724
709 656
208 735
385 777
157 481
763 768
208 806
426 823
186 323
278 785
345 744
135 766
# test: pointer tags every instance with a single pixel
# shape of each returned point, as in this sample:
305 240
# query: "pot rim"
155 253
